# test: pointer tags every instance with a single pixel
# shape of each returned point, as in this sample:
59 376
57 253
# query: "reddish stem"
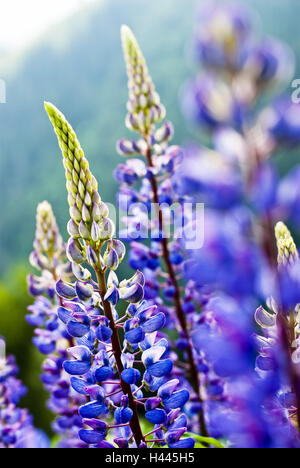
195 381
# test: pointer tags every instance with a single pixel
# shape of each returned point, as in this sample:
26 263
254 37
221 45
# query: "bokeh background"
69 53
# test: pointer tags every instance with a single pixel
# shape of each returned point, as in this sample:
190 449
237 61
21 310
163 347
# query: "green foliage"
203 442
79 66
82 71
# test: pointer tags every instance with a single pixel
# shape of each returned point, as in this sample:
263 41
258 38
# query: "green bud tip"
287 250
83 197
129 41
144 107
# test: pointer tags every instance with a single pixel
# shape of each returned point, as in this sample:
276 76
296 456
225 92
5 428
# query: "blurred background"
69 53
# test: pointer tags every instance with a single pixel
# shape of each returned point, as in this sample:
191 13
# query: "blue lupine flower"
205 175
208 101
156 416
16 426
52 339
91 437
270 62
96 375
93 409
281 120
144 182
289 196
103 367
210 369
177 400
131 376
187 443
224 35
264 193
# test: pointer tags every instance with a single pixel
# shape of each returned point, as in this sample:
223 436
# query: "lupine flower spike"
280 325
115 358
287 250
243 197
153 181
51 337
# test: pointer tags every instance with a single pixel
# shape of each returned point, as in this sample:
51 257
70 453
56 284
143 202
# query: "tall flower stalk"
107 366
51 338
145 112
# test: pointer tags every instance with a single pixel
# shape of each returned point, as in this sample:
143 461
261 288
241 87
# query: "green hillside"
79 67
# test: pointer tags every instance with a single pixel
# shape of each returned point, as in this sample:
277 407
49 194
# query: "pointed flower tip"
129 41
281 230
44 207
126 33
50 108
54 113
287 250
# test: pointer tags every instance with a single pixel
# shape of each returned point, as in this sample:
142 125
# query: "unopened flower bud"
111 259
75 251
287 250
73 229
107 229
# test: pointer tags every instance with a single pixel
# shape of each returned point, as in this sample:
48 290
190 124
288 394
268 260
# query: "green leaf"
205 440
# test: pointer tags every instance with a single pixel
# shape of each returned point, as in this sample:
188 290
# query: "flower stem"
195 381
116 345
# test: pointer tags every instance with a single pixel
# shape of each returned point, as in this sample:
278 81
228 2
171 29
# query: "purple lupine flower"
244 385
223 35
94 375
208 101
51 338
110 370
16 425
281 120
237 67
242 407
207 176
228 261
278 345
144 182
270 62
289 196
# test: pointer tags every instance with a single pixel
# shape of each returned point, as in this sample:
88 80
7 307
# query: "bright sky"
22 21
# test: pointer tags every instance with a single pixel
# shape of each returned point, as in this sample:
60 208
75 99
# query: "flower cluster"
115 358
236 179
51 338
147 190
280 323
255 400
238 66
243 406
16 425
201 344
